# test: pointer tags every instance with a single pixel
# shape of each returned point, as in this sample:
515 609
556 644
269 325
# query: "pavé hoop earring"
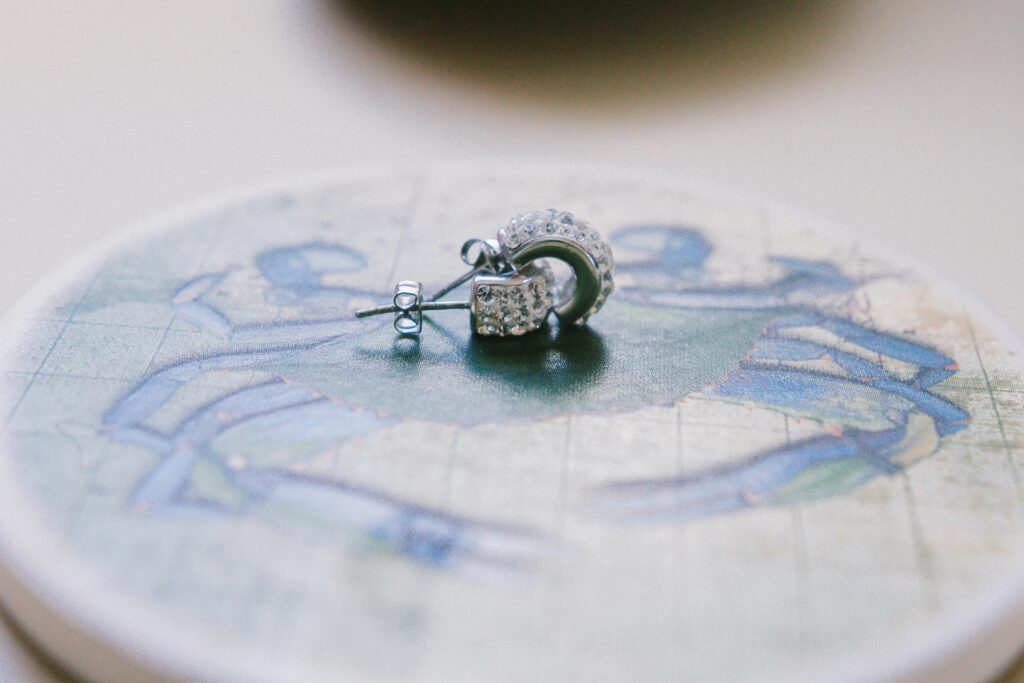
513 289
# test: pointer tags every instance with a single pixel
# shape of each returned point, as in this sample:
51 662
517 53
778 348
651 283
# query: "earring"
513 289
500 305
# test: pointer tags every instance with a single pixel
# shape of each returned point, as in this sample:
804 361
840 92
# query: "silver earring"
513 289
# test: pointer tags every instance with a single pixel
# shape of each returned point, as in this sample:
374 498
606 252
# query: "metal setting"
562 236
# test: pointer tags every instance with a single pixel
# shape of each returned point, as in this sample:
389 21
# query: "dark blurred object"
560 51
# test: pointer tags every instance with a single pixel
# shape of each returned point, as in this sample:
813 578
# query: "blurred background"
899 119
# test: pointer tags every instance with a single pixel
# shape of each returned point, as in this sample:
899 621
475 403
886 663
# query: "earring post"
460 281
488 259
426 306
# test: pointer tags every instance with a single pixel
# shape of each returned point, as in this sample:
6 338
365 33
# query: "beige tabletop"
898 119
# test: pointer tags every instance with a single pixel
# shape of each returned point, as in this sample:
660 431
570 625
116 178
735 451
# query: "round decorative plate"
775 455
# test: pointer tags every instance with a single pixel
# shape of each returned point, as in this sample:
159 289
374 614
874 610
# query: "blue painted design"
671 331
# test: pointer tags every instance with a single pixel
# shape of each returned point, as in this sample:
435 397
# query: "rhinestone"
485 295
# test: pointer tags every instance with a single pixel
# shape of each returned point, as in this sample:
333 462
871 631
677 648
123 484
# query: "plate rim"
54 605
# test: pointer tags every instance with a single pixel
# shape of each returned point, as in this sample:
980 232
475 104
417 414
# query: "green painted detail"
826 479
629 357
259 443
210 483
